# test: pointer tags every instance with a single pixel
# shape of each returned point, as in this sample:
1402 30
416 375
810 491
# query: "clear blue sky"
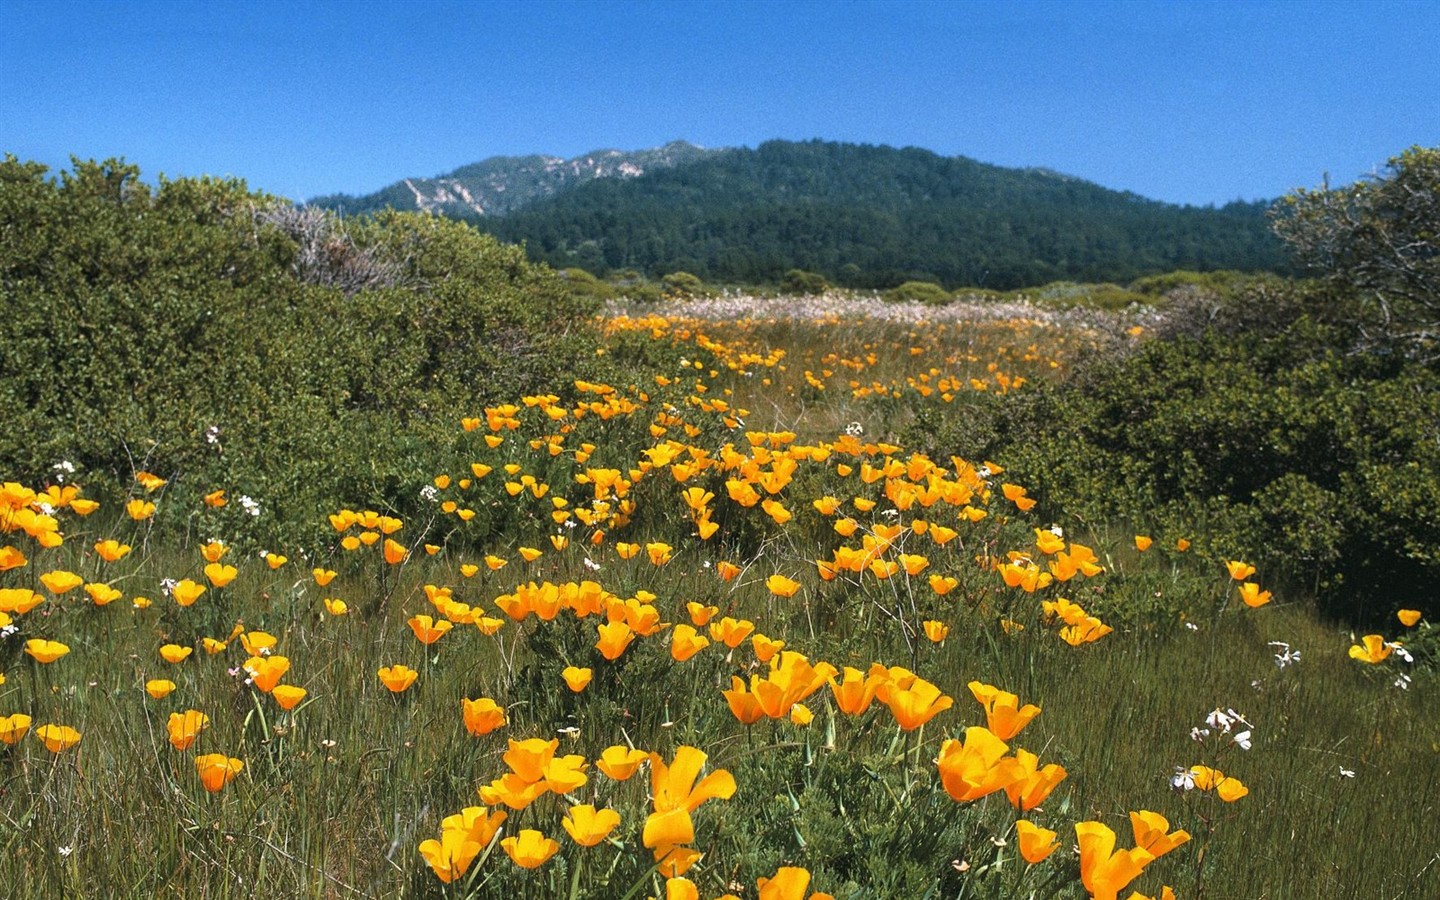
1193 102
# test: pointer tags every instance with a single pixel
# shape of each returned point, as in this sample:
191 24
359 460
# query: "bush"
216 337
1278 447
683 286
918 292
798 282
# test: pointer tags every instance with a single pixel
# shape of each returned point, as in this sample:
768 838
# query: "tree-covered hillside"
867 216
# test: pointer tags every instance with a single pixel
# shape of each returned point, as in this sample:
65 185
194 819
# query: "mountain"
861 215
502 184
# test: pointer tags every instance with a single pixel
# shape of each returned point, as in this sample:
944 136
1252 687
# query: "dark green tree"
1376 243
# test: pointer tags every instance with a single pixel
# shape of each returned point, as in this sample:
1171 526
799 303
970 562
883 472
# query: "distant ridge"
861 215
502 184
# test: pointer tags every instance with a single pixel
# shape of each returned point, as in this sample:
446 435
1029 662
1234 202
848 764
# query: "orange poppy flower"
217 770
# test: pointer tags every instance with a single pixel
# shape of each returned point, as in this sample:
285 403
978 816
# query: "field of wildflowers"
707 629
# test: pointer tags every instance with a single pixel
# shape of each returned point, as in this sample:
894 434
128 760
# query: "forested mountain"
501 184
874 216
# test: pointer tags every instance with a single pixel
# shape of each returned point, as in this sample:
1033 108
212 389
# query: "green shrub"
918 292
798 282
683 285
218 338
1321 466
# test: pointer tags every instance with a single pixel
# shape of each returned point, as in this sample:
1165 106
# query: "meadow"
706 628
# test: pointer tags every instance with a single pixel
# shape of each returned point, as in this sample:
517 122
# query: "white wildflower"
249 505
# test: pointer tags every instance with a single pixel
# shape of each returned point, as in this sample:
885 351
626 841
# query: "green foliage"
322 361
802 283
1066 294
1273 446
1376 243
918 292
583 284
683 286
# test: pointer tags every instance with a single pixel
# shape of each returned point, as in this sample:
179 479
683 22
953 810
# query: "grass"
336 795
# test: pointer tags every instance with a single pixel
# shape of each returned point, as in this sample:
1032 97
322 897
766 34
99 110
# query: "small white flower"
1198 734
1403 682
1192 626
1220 719
1401 652
1057 531
65 851
1243 739
1183 779
429 493
1286 656
249 505
1346 773
212 435
167 585
591 564
46 509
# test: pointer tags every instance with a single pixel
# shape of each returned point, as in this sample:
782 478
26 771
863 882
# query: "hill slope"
863 216
501 184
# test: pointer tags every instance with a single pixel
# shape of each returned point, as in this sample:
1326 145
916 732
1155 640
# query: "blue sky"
1195 102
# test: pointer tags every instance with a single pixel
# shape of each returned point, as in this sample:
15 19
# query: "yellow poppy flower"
57 738
578 679
266 671
619 762
781 586
102 594
111 550
60 581
1036 843
185 727
1373 649
186 592
482 716
288 696
159 688
44 651
529 849
13 728
427 630
398 678
588 826
148 481
220 575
